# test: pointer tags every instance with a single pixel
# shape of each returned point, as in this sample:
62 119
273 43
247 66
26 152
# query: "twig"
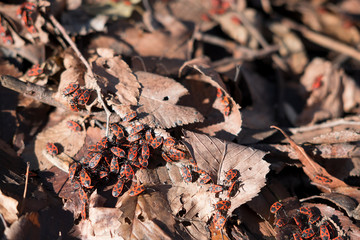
87 65
25 188
45 95
257 35
324 125
323 40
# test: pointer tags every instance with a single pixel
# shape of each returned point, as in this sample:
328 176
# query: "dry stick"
87 65
25 189
257 35
323 40
44 95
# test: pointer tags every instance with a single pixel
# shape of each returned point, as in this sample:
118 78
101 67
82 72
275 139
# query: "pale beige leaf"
217 156
70 143
158 99
8 208
115 76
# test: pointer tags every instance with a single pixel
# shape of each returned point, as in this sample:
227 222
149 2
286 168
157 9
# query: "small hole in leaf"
166 98
127 220
105 65
141 218
182 212
186 223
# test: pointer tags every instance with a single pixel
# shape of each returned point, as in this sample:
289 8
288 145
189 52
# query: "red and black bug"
77 93
130 116
93 148
72 170
186 174
136 190
85 179
35 70
299 222
176 154
219 93
280 222
313 218
83 211
231 175
192 161
72 87
205 179
143 163
117 130
95 160
330 227
118 152
126 171
73 126
275 207
169 142
145 152
307 233
219 221
305 210
114 165
215 188
199 171
166 157
118 187
52 149
227 110
84 97
103 174
73 106
324 233
148 136
82 195
103 143
156 142
233 188
223 205
136 163
76 184
138 127
132 153
134 138
323 179
296 236
338 238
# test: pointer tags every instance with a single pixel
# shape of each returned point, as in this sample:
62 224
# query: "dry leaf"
216 157
27 227
8 208
69 142
116 77
225 127
158 99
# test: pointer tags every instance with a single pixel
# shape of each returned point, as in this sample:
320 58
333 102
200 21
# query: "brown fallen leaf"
215 123
116 77
69 144
158 99
27 227
8 208
216 157
313 170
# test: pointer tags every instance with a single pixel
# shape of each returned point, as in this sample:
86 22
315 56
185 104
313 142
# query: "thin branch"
44 95
25 188
323 40
87 65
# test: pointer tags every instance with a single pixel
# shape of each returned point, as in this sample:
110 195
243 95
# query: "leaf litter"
184 93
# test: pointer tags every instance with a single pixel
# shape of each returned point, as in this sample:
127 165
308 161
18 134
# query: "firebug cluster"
225 101
78 96
26 12
308 221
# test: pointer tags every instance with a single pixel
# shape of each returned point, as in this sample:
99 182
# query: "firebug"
280 222
118 187
186 174
138 127
52 149
133 138
35 70
148 136
77 93
205 179
95 160
85 179
73 106
103 174
219 93
143 162
307 233
313 218
166 157
296 236
114 165
84 97
299 222
83 211
233 188
145 151
223 205
118 152
219 221
127 171
169 142
324 233
103 143
176 154
136 190
74 126
72 87
156 142
275 207
132 153
231 175
117 130
305 210
130 116
72 170
215 188
323 179
82 195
